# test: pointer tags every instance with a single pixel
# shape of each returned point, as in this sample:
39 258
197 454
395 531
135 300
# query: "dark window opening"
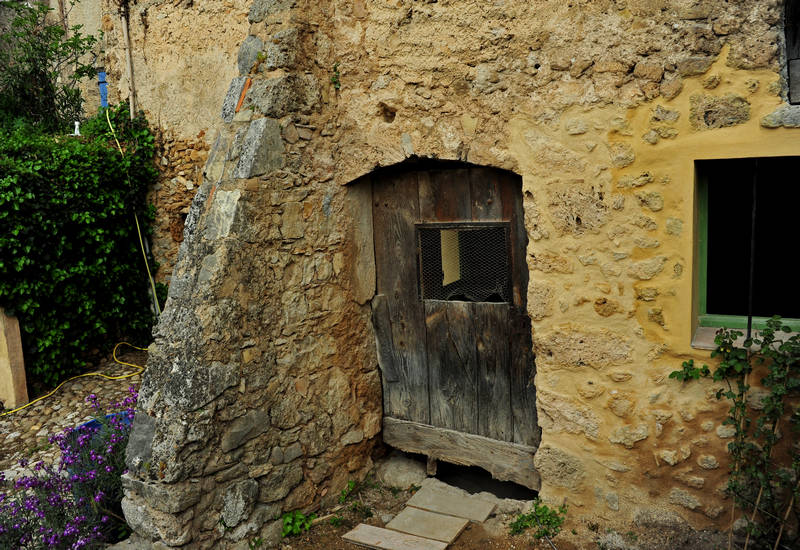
726 195
463 262
792 36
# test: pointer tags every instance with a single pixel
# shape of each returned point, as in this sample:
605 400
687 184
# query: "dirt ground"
376 505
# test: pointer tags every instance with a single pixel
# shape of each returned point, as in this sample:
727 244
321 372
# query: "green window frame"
705 319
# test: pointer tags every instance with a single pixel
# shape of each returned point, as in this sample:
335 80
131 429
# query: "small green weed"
335 77
347 491
546 521
295 523
257 542
395 491
336 521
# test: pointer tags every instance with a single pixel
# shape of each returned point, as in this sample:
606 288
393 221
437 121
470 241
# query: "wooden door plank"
513 212
384 539
523 391
444 196
395 210
452 365
493 366
383 336
429 525
452 503
358 201
487 202
504 460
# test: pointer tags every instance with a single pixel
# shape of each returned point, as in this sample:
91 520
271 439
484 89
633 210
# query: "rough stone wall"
262 393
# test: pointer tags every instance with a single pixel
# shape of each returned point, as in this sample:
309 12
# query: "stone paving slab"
384 539
429 525
452 503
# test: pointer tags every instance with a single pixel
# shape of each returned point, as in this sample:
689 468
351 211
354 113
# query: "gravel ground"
24 434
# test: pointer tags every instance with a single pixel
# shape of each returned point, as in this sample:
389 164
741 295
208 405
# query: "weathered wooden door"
454 337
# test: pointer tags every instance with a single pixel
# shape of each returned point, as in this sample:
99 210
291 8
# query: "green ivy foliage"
71 268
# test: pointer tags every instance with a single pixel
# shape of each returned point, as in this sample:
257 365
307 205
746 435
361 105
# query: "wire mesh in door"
465 262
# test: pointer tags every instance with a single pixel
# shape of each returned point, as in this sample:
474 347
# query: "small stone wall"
262 393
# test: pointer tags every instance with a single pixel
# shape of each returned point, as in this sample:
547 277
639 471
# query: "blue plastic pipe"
101 82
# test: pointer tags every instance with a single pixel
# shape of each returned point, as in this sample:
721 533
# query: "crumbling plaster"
262 393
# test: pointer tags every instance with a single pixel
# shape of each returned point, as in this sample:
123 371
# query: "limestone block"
692 66
262 8
575 348
674 226
248 53
684 498
657 518
558 467
171 529
245 427
237 502
292 223
649 70
671 87
622 155
281 50
280 96
195 387
630 181
172 498
629 435
232 98
708 112
140 441
787 116
561 414
725 431
401 471
708 462
647 269
13 389
279 482
262 149
221 214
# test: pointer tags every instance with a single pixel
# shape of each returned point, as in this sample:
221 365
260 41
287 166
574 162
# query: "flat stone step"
452 503
384 539
430 525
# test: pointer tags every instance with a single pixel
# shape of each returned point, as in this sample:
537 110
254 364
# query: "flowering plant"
75 504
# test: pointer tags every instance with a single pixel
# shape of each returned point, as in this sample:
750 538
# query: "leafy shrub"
70 263
75 504
546 521
40 67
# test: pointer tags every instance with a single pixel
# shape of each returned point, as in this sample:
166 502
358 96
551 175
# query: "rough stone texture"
787 116
262 149
264 314
629 435
237 502
683 498
709 112
248 54
560 467
401 471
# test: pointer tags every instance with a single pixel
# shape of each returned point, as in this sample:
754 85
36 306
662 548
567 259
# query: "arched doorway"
450 315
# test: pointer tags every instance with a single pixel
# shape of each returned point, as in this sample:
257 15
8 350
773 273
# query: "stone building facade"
263 390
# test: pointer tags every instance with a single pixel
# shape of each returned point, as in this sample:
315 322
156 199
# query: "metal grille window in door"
464 262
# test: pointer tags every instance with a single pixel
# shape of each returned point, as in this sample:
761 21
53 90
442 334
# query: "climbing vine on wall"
71 268
765 452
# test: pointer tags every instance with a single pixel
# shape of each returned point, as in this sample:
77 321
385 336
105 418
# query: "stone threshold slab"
430 525
384 539
452 503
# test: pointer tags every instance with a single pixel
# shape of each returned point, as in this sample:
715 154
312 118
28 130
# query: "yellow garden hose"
100 374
